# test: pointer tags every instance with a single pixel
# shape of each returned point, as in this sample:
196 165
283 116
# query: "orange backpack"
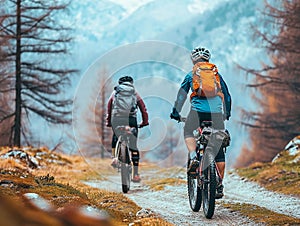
206 81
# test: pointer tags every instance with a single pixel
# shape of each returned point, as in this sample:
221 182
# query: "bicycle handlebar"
127 129
182 119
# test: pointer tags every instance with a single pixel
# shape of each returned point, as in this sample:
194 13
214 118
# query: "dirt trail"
241 191
172 202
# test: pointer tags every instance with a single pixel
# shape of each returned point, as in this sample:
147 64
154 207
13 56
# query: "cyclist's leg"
193 121
190 125
113 144
114 141
220 161
135 155
116 121
218 123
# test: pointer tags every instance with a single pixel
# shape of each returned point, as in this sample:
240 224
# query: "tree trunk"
103 120
18 100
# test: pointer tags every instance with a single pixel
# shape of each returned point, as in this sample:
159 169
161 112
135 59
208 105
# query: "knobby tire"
125 168
209 188
194 192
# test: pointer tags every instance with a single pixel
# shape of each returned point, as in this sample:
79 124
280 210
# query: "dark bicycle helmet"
200 53
125 78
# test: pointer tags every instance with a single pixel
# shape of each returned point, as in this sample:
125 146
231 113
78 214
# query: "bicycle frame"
120 142
125 132
123 156
202 185
202 168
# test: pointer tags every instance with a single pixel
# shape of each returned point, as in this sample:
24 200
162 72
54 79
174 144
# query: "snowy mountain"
222 26
105 27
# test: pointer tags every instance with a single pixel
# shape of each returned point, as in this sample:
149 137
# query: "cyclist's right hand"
143 125
175 115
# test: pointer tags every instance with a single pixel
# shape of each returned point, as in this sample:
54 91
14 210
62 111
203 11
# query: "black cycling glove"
175 115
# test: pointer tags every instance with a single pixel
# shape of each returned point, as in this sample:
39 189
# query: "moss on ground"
262 215
282 175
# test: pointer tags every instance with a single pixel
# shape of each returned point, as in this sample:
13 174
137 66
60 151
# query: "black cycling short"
194 120
124 121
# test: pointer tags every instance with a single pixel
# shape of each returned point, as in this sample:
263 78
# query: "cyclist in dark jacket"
202 109
116 118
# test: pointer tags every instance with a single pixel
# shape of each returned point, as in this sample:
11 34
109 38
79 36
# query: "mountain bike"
122 153
202 185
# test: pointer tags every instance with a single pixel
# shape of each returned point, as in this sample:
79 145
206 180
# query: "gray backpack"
125 100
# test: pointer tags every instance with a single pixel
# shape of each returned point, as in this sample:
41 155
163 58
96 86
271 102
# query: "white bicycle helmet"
200 52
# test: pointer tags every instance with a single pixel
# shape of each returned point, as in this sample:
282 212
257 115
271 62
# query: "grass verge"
281 175
262 215
58 181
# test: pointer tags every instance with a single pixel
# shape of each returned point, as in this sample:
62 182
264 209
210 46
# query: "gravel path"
172 203
238 190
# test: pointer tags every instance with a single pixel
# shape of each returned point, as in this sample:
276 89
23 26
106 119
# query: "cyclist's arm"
109 108
141 105
182 92
227 98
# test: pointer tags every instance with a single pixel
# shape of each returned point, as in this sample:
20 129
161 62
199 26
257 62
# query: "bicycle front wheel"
209 190
125 169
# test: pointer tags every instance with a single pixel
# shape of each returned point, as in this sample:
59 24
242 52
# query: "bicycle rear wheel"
209 190
125 168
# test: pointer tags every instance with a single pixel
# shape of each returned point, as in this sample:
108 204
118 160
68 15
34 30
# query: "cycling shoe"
194 164
219 192
136 178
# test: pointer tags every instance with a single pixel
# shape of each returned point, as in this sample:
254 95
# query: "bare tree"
5 97
278 85
38 42
98 138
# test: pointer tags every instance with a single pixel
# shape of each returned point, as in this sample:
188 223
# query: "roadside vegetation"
262 215
166 177
57 179
282 175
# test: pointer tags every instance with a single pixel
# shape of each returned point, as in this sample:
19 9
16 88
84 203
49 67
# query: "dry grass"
160 183
165 177
282 176
58 180
262 215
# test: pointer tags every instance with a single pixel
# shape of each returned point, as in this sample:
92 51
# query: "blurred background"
149 40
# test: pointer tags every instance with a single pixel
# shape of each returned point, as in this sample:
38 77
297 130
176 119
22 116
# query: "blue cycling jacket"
203 104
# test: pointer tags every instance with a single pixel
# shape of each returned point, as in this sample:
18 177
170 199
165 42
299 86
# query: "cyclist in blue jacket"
213 109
